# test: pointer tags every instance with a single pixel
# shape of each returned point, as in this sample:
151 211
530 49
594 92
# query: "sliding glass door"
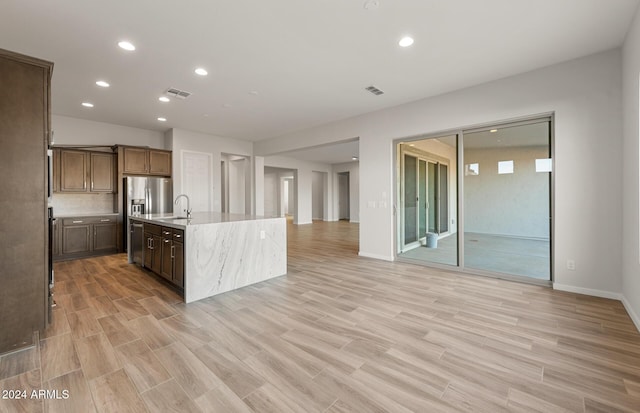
426 207
507 191
500 178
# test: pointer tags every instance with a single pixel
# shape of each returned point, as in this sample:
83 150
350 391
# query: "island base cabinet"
153 252
164 252
166 270
178 264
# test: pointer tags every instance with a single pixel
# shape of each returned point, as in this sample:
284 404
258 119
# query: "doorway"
235 184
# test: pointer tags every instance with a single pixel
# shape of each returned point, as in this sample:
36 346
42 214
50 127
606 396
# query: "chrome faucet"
188 210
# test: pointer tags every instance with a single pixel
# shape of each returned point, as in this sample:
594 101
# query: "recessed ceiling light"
412 144
371 4
127 45
102 83
202 72
87 104
164 99
493 130
162 119
406 41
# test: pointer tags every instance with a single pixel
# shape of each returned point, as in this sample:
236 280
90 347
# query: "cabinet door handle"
173 251
77 222
105 220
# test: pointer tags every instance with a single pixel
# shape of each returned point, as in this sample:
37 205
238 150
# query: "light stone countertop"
197 218
93 214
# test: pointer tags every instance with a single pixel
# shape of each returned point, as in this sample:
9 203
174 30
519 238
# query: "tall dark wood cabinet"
24 132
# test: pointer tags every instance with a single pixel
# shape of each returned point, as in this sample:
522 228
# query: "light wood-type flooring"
338 334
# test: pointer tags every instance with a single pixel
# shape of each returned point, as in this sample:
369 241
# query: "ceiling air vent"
177 93
374 90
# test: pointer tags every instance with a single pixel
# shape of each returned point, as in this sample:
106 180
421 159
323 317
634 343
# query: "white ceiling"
309 60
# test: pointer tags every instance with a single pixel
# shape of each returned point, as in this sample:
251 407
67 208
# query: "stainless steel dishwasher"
136 243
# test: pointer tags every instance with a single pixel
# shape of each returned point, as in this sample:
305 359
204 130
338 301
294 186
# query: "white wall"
73 131
183 140
317 195
584 94
271 195
237 186
514 204
304 179
354 189
631 170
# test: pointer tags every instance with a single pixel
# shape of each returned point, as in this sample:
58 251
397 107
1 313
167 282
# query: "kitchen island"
221 251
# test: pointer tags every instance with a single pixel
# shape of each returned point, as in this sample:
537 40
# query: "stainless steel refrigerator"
145 195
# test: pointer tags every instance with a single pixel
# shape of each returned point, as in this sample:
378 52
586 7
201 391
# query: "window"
472 169
505 167
543 165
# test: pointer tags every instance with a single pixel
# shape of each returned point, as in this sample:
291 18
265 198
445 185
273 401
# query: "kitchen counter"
223 252
106 214
197 218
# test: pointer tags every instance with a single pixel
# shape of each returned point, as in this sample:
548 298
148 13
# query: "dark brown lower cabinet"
153 247
105 237
83 237
76 239
166 269
164 252
178 264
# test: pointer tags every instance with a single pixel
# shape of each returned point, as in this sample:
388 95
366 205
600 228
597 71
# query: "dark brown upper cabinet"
73 171
83 171
145 161
102 172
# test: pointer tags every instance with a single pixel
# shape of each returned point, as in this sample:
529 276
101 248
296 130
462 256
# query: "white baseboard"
603 294
632 314
303 223
354 222
376 256
587 291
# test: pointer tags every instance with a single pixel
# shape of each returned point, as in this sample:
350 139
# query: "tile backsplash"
68 204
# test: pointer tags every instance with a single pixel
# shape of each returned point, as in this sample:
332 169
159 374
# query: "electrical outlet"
571 265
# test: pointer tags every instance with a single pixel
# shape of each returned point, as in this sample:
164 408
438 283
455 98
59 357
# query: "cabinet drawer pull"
105 220
167 240
77 222
177 235
165 233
